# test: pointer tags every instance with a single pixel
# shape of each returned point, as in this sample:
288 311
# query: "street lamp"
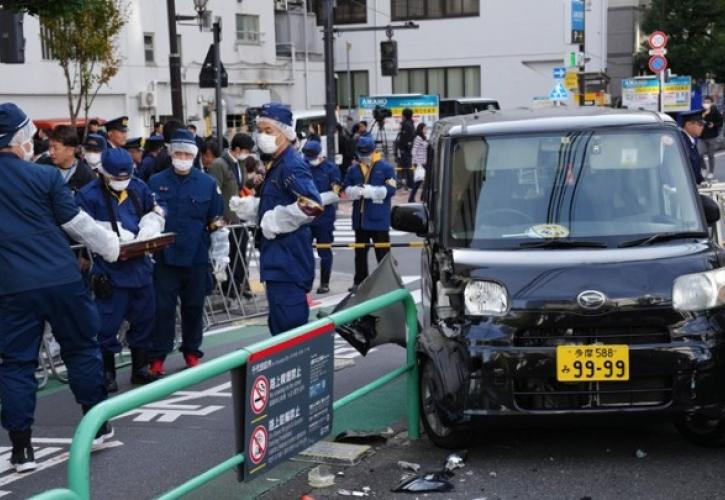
203 16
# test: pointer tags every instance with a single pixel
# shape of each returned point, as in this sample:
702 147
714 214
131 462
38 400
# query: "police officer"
135 149
194 208
371 184
93 147
40 281
692 127
289 201
152 148
117 132
329 183
124 290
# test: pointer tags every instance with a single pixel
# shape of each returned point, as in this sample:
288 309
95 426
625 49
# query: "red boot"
191 359
157 367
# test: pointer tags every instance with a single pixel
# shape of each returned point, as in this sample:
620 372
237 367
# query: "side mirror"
410 218
711 208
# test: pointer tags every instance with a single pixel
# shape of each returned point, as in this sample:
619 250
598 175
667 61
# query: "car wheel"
438 431
702 430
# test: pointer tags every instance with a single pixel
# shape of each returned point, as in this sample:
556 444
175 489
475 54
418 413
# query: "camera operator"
404 146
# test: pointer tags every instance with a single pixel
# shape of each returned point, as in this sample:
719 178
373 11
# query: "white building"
257 61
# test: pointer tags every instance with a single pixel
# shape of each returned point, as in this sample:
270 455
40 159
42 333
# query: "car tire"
702 431
439 433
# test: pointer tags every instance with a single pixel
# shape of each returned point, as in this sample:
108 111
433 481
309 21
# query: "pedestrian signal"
389 58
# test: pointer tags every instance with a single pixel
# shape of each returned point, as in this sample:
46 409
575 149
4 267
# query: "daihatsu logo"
591 299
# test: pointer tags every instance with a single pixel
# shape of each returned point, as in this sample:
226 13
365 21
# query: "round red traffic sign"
259 396
657 64
657 40
258 444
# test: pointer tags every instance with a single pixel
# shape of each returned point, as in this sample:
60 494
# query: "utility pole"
331 90
177 104
218 82
348 46
582 63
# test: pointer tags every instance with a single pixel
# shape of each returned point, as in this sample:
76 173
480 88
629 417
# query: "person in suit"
692 127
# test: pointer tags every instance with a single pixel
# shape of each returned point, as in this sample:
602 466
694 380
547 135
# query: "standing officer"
692 127
194 209
117 132
289 201
135 149
371 184
40 281
152 148
124 290
329 183
93 147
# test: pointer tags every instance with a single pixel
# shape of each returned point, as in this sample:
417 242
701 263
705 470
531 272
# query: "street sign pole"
331 90
177 104
218 83
582 65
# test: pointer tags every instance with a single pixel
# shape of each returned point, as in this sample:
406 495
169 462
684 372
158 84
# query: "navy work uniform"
123 290
370 214
327 178
193 205
119 124
690 144
40 281
152 149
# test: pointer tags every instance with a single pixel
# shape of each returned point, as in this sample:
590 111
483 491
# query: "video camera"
380 114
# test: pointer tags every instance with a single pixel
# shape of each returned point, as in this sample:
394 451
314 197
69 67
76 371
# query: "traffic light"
389 58
12 42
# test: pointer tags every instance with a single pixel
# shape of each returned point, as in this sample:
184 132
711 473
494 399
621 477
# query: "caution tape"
328 246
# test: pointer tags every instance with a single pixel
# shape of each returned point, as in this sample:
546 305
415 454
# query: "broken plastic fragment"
352 493
408 466
360 437
641 453
424 483
321 477
455 461
492 474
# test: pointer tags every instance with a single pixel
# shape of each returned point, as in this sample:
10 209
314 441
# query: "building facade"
624 40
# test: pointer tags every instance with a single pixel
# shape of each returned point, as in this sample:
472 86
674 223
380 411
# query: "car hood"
553 279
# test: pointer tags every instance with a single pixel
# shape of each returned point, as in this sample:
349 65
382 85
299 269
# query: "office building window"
148 47
45 51
346 11
248 29
359 87
463 81
403 10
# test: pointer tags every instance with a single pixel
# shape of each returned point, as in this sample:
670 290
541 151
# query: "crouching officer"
123 290
329 183
371 184
288 202
40 281
194 208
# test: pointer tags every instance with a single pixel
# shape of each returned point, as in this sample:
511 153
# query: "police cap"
94 142
134 143
117 163
120 123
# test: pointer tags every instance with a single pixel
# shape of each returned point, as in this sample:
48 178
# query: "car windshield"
598 186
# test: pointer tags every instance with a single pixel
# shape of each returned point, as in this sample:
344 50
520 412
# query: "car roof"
307 113
464 100
549 119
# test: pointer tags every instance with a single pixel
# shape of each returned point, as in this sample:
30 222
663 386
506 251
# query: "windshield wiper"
557 243
663 237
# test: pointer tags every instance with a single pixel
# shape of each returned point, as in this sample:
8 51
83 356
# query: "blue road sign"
559 73
558 93
577 21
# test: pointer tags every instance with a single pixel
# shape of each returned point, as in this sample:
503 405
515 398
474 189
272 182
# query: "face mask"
182 165
315 162
119 186
27 150
93 159
267 143
243 156
707 105
365 159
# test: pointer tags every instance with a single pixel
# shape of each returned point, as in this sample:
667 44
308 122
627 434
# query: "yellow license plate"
592 363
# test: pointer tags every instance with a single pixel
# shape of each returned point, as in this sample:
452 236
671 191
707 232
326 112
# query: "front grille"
625 335
551 395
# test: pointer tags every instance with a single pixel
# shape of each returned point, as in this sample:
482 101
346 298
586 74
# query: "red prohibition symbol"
260 394
258 444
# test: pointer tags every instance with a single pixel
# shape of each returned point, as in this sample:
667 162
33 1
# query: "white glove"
84 229
378 193
125 234
246 208
150 226
329 198
283 219
368 191
353 192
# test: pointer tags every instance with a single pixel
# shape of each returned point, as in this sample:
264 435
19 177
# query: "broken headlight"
699 292
485 298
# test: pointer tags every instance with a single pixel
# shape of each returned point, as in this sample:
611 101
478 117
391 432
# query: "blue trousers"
288 307
137 305
172 283
323 233
70 311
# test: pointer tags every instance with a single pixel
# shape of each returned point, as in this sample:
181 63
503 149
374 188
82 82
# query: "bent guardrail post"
80 452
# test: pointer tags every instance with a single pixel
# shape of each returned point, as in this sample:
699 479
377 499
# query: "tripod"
381 138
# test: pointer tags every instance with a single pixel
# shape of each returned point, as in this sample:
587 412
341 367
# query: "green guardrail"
80 452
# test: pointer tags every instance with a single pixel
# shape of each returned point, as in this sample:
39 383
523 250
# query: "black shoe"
324 281
105 433
353 288
324 288
23 459
140 373
109 369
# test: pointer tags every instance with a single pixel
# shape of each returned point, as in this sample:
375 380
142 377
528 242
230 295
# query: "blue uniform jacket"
191 203
288 257
366 214
326 175
133 273
693 155
34 250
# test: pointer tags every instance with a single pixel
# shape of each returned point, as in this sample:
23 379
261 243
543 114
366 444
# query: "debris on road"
430 482
352 493
455 461
361 437
321 477
641 453
492 474
408 466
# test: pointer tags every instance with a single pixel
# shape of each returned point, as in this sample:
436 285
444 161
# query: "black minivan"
568 270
